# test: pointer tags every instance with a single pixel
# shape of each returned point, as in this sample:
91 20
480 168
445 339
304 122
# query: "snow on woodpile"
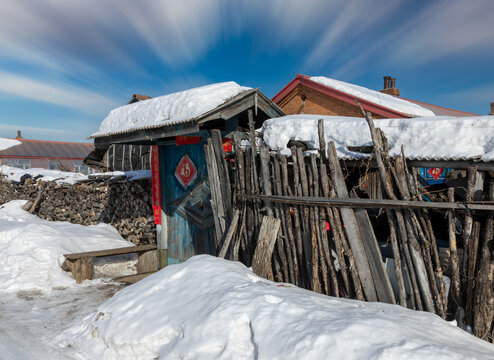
168 109
210 308
426 138
16 175
31 249
7 143
376 97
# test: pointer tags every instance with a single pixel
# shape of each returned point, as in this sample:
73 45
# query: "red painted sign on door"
186 171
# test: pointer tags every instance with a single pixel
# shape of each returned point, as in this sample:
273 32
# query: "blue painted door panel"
190 226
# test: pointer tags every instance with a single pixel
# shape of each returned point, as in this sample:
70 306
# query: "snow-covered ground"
205 308
209 308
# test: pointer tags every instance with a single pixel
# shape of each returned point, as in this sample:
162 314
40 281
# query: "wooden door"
185 198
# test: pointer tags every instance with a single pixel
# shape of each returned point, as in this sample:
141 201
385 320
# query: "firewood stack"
126 205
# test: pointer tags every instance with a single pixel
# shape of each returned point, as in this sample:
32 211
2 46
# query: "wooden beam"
370 203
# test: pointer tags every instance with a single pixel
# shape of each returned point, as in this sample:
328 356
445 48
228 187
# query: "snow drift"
31 249
209 308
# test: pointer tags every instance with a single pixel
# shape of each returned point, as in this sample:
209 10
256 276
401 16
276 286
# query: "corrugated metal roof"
48 149
440 110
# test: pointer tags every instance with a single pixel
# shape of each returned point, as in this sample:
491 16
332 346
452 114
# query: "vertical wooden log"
297 212
315 238
468 220
281 214
307 232
286 191
483 308
338 243
266 179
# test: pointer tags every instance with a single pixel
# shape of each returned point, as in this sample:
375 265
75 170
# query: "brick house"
53 155
325 96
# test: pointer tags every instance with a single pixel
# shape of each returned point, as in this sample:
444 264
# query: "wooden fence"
294 219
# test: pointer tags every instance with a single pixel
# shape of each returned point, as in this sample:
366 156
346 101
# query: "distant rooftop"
47 149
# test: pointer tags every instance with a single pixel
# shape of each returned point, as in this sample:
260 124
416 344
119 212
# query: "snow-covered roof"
7 143
376 97
169 109
426 138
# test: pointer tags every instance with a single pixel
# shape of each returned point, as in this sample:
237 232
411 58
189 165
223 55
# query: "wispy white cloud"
446 28
63 95
345 27
440 30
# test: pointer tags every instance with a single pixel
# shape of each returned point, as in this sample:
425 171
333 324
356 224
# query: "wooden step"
110 252
131 279
82 268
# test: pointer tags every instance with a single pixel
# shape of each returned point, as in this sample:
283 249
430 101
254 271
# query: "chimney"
19 135
386 82
389 86
492 108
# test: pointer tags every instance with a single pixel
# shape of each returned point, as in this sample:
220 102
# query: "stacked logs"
294 220
126 205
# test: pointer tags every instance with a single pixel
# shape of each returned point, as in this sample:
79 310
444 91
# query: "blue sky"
65 64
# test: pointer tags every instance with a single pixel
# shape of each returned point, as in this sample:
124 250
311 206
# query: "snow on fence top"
426 138
6 143
169 109
376 97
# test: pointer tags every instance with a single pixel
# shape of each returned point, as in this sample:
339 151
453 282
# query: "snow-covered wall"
125 205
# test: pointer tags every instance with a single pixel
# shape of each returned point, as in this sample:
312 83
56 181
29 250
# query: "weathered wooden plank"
351 227
268 233
147 261
380 276
108 252
216 199
83 269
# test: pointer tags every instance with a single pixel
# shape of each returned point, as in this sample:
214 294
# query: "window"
18 163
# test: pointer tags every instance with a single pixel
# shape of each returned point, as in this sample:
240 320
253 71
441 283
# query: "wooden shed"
179 125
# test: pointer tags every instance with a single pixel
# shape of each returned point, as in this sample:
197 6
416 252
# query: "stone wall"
126 205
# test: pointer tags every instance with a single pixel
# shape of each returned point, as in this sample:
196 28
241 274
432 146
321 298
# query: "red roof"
367 105
48 150
441 111
137 97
